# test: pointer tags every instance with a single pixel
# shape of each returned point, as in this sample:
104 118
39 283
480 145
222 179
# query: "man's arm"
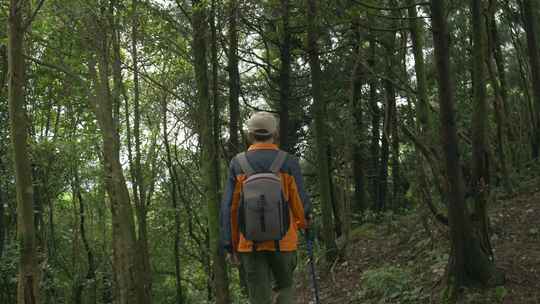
296 172
226 206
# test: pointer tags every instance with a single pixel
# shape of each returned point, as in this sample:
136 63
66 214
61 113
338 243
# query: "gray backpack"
263 212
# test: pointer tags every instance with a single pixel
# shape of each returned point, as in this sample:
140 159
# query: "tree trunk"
3 200
234 93
321 138
496 51
358 145
422 103
234 79
497 78
130 287
4 70
374 149
220 269
480 165
209 154
390 124
29 277
382 201
467 261
139 181
417 37
337 205
90 279
527 110
530 20
174 201
284 79
2 217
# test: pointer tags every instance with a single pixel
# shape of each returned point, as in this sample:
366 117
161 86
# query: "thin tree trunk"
234 79
417 37
130 283
389 107
29 277
500 119
527 111
174 201
209 154
321 137
390 126
75 261
530 20
3 200
4 70
422 103
2 217
393 113
234 93
139 182
497 53
337 205
358 152
374 149
91 272
284 78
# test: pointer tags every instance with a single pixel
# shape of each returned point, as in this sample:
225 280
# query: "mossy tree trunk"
3 201
285 78
423 121
205 128
358 142
397 192
89 280
375 136
234 78
173 180
530 20
130 286
321 137
468 262
388 137
497 77
480 165
29 275
140 184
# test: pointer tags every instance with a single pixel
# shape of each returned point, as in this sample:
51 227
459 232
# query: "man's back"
260 158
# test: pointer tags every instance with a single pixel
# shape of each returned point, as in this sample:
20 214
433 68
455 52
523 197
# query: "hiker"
264 205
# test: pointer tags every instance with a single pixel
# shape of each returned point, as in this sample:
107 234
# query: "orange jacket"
260 157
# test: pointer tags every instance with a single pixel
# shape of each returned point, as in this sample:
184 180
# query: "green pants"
263 266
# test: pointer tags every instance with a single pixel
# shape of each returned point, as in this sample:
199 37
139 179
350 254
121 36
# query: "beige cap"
262 123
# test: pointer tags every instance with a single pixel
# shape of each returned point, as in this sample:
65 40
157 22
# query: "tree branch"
381 8
34 14
56 67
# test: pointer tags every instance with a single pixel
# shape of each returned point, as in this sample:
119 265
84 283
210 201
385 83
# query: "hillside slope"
400 261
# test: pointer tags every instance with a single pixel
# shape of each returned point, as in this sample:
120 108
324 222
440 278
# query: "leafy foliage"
389 284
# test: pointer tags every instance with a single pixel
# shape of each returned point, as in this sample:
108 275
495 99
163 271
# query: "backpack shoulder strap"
278 162
244 164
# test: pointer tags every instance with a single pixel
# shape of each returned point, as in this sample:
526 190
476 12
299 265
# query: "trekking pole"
309 242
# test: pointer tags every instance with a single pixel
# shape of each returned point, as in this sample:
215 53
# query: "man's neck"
268 142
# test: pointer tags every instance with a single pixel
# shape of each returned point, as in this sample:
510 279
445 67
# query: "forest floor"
400 261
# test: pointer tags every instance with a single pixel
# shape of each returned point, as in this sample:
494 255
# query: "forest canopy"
118 120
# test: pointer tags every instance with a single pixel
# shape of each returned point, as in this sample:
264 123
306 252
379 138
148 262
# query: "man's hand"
233 258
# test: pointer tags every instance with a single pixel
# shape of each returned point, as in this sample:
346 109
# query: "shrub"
389 284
